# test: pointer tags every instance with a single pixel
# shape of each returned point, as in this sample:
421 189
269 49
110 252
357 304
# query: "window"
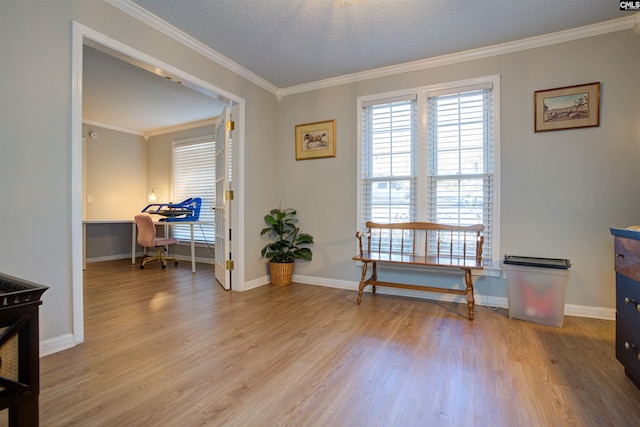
194 176
430 154
389 161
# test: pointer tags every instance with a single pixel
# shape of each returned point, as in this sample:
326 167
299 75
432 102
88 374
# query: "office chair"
147 238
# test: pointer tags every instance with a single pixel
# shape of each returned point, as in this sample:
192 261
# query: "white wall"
561 191
116 174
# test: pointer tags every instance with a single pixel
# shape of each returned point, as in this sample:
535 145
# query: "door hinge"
229 264
231 125
228 195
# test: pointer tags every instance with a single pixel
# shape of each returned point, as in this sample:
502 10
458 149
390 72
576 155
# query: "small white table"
134 236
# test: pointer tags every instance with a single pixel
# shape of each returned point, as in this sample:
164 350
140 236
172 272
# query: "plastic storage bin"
536 288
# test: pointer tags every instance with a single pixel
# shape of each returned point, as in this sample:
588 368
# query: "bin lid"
559 263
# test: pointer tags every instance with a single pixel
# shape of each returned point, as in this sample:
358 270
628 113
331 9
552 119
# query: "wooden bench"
421 244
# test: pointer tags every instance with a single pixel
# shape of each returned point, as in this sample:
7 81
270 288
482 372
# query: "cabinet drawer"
628 298
627 260
628 346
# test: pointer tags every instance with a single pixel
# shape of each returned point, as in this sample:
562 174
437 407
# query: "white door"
224 199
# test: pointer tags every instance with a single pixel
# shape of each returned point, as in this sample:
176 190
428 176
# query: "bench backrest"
424 239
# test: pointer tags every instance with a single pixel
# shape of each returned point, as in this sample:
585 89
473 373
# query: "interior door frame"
222 203
79 34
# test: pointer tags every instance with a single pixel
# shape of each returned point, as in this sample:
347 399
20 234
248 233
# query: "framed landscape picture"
567 107
316 140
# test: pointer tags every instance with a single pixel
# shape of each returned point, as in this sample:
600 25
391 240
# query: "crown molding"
500 49
147 135
164 27
192 125
112 127
469 55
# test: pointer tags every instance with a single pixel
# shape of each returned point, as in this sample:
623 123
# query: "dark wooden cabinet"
627 266
19 350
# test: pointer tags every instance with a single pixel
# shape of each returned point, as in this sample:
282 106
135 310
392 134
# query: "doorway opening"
81 36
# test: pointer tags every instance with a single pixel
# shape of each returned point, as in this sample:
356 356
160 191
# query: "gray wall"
108 241
561 191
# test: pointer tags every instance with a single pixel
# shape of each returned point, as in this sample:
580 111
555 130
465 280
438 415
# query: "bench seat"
432 260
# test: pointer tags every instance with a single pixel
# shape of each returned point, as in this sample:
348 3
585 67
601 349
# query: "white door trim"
79 34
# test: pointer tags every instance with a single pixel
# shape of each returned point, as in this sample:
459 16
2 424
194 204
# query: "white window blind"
389 161
194 176
460 161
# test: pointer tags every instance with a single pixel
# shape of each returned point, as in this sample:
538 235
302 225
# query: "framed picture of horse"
316 140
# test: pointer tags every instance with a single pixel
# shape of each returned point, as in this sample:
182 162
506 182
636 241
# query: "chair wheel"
175 263
142 267
164 266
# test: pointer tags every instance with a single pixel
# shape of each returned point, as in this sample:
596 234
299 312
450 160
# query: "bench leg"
374 276
362 281
470 299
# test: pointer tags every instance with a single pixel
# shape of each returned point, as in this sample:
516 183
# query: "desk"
134 236
108 221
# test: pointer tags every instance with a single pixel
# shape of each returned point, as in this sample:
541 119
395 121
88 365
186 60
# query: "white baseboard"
56 344
141 254
256 283
187 258
109 258
603 313
329 283
590 312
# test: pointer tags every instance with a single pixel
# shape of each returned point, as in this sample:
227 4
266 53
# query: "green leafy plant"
283 227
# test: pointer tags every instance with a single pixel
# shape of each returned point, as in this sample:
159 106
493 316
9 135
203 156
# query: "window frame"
398 137
493 267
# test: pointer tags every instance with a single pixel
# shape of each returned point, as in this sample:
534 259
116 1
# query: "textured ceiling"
293 42
290 42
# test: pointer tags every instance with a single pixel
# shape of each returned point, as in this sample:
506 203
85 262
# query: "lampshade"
155 195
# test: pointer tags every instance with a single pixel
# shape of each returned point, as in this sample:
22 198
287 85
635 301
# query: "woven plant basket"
281 273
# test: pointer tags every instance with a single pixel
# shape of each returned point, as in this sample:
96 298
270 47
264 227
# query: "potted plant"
285 249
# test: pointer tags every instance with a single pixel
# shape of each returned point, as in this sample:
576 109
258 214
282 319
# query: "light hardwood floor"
171 348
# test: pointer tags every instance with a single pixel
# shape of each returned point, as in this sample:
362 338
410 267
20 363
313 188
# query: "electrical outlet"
89 199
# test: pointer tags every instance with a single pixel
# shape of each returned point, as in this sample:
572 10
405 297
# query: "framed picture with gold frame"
316 140
567 107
